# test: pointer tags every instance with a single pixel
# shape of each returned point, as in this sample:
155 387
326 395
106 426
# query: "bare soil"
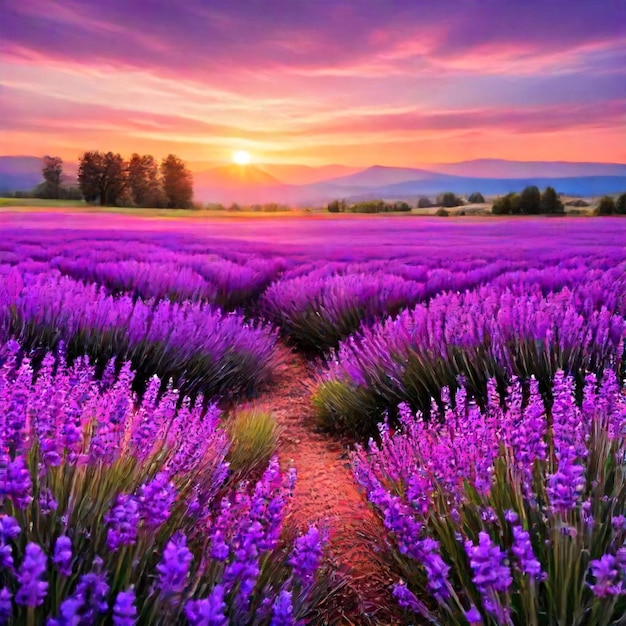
326 493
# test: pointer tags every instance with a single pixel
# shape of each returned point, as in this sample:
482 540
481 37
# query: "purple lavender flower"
491 574
209 611
155 500
174 566
607 577
93 590
282 610
6 608
6 557
565 486
9 528
15 481
473 615
307 555
47 503
523 551
32 589
122 522
62 557
124 609
407 600
69 612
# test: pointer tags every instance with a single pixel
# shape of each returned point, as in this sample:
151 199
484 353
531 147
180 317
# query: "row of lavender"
512 514
199 348
115 511
508 328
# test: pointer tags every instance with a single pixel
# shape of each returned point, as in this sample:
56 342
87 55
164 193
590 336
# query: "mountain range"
300 184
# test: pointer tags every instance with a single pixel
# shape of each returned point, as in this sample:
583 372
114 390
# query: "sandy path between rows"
325 491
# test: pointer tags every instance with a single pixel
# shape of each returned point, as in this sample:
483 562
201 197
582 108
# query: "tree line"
530 201
107 179
446 199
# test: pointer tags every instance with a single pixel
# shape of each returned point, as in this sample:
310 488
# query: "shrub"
476 198
336 206
318 312
201 349
606 206
490 332
254 441
530 200
550 201
507 516
503 205
403 207
620 205
114 512
424 203
449 200
441 212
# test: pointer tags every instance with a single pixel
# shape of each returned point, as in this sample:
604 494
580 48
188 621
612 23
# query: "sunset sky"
394 82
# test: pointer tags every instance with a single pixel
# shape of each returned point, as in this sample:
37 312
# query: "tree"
177 183
424 203
476 198
401 206
143 181
448 199
502 205
620 205
606 206
102 177
550 201
336 206
52 172
530 200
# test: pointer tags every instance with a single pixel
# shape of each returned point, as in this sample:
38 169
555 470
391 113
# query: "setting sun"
241 157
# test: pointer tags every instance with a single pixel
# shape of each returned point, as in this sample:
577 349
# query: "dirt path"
325 490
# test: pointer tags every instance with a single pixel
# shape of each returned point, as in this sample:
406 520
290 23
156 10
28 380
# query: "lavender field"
470 371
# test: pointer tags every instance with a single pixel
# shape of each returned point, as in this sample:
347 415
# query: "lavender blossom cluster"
492 331
202 349
507 515
115 511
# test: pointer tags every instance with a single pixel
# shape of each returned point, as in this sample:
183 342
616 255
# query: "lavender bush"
489 332
200 348
114 512
316 313
507 516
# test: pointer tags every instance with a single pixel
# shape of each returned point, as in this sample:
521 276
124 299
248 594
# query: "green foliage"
177 182
550 202
102 178
503 205
441 212
606 206
52 172
620 205
424 203
144 185
563 543
530 200
449 200
343 407
337 206
254 441
476 198
368 206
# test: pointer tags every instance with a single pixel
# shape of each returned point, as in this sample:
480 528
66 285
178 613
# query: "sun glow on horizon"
241 157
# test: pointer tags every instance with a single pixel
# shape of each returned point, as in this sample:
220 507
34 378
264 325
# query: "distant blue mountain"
575 186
